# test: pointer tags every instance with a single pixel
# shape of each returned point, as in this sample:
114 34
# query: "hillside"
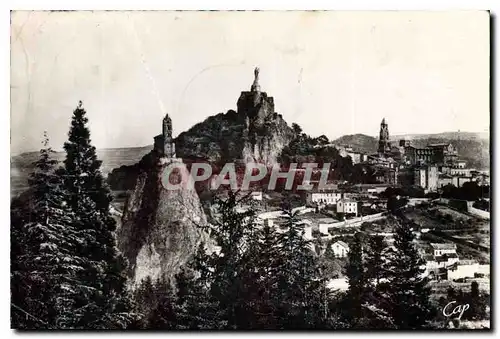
443 135
359 142
21 165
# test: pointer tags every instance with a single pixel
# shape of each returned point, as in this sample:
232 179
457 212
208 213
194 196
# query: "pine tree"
46 265
162 313
263 267
358 284
231 232
407 293
195 306
375 260
145 298
301 286
106 304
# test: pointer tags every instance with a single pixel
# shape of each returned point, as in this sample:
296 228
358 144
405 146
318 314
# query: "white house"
460 164
256 195
463 269
308 232
446 248
326 197
347 206
434 264
340 249
325 224
339 284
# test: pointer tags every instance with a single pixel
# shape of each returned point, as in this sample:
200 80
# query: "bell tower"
384 146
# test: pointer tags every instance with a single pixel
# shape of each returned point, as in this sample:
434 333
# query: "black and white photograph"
250 170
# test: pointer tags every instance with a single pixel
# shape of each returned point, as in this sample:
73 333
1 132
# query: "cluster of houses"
361 199
443 263
430 167
442 260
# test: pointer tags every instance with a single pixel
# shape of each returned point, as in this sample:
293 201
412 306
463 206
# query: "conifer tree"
301 285
195 306
231 233
263 267
375 260
407 293
46 265
145 298
106 304
357 279
162 313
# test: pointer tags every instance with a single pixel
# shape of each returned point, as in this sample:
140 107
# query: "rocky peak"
160 228
254 133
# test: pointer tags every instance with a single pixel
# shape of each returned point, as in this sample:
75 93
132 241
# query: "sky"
333 73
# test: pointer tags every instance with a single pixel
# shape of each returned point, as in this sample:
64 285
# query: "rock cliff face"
160 228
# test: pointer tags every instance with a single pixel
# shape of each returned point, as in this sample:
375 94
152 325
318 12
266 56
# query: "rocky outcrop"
160 228
254 133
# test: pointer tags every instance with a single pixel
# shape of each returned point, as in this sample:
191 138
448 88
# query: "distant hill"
21 165
444 135
359 142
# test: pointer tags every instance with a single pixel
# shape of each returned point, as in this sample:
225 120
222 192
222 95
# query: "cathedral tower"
384 146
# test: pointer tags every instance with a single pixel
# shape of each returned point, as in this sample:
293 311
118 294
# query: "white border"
493 5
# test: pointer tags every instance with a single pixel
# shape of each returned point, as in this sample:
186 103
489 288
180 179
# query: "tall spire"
255 85
384 146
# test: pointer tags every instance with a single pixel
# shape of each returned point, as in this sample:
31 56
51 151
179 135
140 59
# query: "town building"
308 232
426 177
357 157
463 269
440 249
455 180
340 249
385 175
431 154
256 195
463 172
460 164
347 206
370 188
323 197
324 224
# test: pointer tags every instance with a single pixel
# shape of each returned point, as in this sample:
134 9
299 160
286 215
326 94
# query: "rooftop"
371 185
326 220
324 190
341 243
443 144
444 246
348 200
445 257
